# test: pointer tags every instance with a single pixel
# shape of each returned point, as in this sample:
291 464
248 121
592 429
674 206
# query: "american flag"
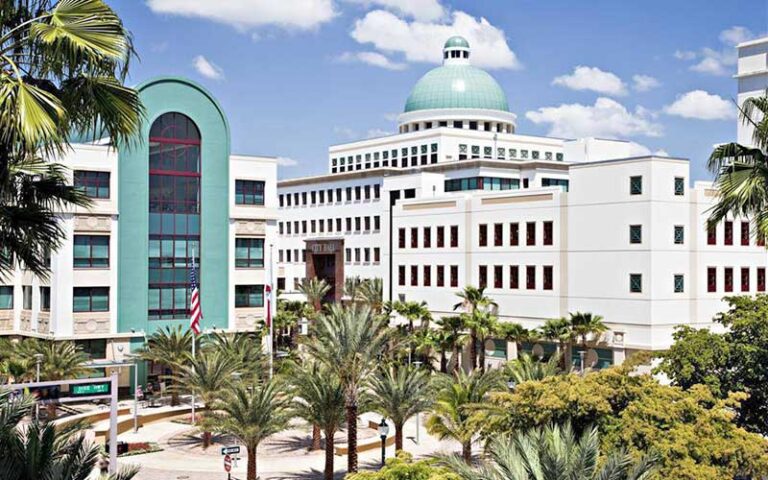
195 311
268 293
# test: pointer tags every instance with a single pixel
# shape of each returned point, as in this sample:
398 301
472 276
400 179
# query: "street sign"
230 450
227 463
89 389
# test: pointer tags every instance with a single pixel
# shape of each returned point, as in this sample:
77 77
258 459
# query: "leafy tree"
170 347
348 341
698 356
472 299
402 467
251 414
452 416
399 394
61 75
551 453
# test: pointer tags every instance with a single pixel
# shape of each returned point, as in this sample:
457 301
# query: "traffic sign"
230 450
227 463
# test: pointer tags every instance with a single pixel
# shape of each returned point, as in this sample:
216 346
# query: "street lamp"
38 361
581 361
383 432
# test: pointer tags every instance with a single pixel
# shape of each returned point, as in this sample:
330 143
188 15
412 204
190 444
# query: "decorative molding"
91 322
93 223
248 318
250 227
44 322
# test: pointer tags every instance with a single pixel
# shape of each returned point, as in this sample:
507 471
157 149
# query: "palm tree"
454 326
61 75
315 290
585 324
289 315
451 416
36 450
741 172
527 368
558 330
319 399
552 453
399 394
352 288
371 293
444 341
484 325
472 299
242 351
207 376
60 359
170 347
514 332
252 414
349 341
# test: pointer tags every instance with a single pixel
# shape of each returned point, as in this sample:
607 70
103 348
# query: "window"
440 276
454 276
414 275
530 277
26 297
249 296
338 224
728 280
514 277
358 192
760 279
45 299
427 237
711 279
414 237
635 283
427 274
6 298
728 233
530 233
563 183
679 186
712 235
348 255
401 275
95 348
349 194
249 252
401 238
90 299
745 279
679 283
498 235
483 235
454 235
636 185
440 237
367 224
376 255
482 277
348 222
357 255
635 234
679 235
91 251
514 234
92 184
376 223
548 277
250 192
367 255
357 224
745 234
548 233
312 197
498 276
377 189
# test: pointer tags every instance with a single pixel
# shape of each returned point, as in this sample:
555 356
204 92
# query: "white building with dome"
549 226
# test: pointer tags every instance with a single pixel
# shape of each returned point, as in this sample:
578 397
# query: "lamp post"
581 361
383 432
38 361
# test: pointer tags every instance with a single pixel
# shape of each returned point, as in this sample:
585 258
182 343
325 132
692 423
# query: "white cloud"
344 132
643 83
735 35
377 132
606 118
640 150
392 117
700 105
685 55
423 41
422 10
712 61
247 14
592 78
208 69
286 162
372 58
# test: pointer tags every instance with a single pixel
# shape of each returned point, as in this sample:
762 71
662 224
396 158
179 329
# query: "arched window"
174 213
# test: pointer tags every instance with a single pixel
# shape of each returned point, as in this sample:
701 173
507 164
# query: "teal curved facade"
456 42
159 96
457 86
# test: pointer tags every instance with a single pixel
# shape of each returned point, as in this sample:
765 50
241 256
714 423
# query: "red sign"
227 463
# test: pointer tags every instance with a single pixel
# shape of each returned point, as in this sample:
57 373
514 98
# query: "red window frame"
427 240
760 279
454 276
514 277
711 279
414 237
514 234
440 276
414 276
427 274
440 237
728 233
401 275
712 235
483 235
454 236
482 276
530 233
401 238
530 277
728 279
498 276
744 234
548 277
744 279
498 235
548 233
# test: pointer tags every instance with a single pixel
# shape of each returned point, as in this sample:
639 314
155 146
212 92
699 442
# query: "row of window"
415 276
6 298
513 234
360 224
728 234
471 124
513 277
481 183
636 185
636 234
426 276
330 196
474 152
365 257
419 155
426 237
728 279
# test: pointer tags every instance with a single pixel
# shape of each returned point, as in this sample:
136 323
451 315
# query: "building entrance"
325 260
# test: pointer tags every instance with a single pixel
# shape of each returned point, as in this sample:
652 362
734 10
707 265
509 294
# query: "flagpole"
270 308
194 339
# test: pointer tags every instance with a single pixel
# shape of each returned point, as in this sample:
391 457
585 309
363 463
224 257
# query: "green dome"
456 41
457 86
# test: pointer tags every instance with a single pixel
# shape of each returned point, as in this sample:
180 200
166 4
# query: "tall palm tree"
289 314
349 341
60 359
451 417
319 399
315 290
514 332
741 172
584 325
170 347
557 330
352 288
242 351
37 450
552 453
444 341
399 394
371 293
61 75
485 326
454 327
251 414
473 299
207 376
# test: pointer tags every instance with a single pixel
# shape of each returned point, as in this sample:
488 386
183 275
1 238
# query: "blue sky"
296 76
